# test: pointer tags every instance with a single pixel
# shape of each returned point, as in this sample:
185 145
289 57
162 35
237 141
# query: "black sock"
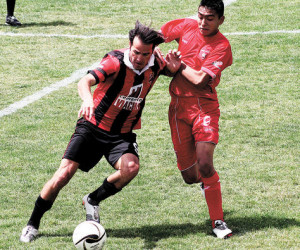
10 7
104 191
41 206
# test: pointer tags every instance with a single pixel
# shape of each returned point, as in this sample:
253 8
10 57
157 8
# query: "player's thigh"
206 125
84 148
183 142
123 152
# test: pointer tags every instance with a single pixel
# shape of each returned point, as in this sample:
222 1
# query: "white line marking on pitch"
61 35
262 32
126 36
45 91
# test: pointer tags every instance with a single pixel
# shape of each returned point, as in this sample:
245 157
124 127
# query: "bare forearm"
198 78
84 90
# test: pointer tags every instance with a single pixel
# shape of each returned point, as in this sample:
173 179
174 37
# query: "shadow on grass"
153 234
45 24
243 225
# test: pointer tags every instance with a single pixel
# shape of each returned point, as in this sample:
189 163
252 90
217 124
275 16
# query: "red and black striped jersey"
119 98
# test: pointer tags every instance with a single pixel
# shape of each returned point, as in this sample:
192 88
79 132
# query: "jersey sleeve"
219 59
108 66
172 30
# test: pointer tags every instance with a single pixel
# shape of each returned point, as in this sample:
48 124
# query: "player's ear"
221 20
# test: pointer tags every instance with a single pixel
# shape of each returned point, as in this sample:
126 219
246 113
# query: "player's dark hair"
216 5
146 34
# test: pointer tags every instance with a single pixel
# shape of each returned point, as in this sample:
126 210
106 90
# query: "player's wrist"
182 67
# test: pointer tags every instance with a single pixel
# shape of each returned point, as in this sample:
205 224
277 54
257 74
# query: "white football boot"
29 233
92 211
221 230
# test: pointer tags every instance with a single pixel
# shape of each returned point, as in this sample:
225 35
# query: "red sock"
213 197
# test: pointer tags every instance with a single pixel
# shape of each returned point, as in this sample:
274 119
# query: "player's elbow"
87 81
202 79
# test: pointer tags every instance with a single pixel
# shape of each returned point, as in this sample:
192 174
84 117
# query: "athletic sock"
41 206
213 197
104 191
10 7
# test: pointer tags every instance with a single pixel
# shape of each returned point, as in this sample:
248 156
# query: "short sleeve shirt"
209 54
119 101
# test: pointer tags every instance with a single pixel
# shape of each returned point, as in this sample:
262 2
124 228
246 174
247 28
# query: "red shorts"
192 120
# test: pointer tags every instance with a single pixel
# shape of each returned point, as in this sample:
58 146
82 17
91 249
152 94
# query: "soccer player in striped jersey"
107 117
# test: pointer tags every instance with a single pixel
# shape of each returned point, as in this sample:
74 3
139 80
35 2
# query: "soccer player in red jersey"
194 108
124 78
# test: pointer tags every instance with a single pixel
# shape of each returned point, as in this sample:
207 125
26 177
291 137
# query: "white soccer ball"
89 235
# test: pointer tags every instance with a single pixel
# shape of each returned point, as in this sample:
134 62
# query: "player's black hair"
146 34
216 5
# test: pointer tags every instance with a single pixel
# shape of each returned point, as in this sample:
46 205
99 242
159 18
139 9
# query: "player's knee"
206 168
62 177
133 169
189 179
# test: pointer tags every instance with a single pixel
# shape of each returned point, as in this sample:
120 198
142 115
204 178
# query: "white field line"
45 91
228 2
262 32
61 35
118 36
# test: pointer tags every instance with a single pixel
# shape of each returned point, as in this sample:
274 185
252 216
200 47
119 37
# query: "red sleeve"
172 30
218 60
108 66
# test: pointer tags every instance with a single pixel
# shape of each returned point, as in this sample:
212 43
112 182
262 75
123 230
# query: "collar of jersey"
129 64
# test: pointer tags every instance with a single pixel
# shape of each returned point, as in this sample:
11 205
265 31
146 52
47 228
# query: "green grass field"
257 157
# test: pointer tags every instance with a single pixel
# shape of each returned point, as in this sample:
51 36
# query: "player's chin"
138 67
204 31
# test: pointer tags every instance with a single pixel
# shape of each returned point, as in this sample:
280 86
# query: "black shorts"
89 143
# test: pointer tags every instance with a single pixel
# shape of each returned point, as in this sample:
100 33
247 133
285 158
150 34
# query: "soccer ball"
89 235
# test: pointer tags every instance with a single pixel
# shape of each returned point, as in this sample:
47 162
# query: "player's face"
208 21
140 53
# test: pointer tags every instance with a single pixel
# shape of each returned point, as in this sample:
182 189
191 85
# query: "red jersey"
209 54
119 100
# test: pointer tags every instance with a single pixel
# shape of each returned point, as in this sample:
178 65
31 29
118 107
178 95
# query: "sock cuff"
110 187
211 180
43 204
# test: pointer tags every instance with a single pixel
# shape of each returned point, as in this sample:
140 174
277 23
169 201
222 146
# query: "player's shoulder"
222 39
190 23
219 41
116 54
182 22
115 57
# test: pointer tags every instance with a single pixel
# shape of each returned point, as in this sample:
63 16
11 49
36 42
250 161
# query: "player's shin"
213 197
41 206
106 190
